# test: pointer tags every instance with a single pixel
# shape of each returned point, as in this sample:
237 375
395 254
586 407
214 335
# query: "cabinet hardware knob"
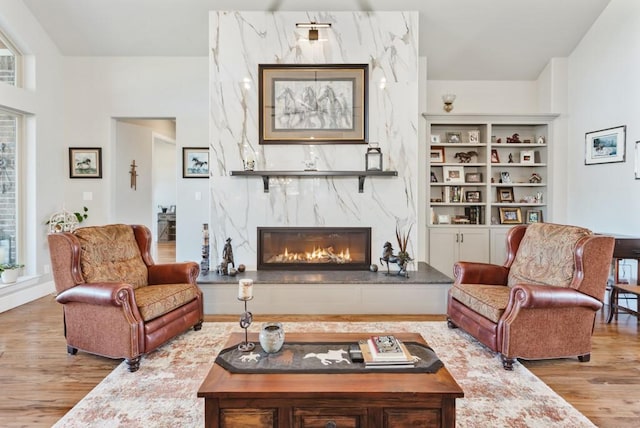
331 424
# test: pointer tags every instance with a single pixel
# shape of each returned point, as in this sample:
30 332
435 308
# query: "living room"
590 87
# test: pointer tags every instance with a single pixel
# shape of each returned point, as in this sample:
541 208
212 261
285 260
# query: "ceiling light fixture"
313 28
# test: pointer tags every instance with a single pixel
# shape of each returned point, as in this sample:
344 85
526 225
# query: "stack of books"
385 352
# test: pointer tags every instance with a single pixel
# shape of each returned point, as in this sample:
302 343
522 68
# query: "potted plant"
10 272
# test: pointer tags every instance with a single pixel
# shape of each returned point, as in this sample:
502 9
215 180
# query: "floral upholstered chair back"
111 254
546 255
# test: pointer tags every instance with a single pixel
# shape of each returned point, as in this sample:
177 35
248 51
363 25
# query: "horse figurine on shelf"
465 157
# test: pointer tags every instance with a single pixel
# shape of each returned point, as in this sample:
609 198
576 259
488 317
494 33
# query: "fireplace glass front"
314 248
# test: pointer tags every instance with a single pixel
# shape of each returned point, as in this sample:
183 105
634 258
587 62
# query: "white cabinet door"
447 246
474 245
443 249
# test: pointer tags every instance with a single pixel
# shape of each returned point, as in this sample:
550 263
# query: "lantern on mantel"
373 158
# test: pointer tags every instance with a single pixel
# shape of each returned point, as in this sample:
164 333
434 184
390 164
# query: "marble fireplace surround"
239 42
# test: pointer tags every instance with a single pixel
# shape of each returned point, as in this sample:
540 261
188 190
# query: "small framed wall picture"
474 136
85 162
195 162
436 155
510 215
534 216
605 146
453 174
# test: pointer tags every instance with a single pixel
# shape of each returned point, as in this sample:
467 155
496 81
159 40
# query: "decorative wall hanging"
133 175
313 104
605 146
195 162
85 162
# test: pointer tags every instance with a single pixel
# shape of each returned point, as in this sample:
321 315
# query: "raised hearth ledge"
330 292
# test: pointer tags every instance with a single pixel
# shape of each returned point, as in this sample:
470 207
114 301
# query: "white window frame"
18 58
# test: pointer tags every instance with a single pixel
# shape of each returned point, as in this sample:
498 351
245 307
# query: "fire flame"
317 255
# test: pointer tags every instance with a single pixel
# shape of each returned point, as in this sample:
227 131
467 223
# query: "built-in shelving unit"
485 173
266 175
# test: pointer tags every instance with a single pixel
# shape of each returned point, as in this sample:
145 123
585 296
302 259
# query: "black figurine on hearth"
227 254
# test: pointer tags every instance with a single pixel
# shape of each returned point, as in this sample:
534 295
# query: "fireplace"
314 248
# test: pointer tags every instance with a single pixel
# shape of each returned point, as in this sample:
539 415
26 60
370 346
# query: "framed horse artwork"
313 104
195 162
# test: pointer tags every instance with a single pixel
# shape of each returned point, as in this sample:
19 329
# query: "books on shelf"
385 352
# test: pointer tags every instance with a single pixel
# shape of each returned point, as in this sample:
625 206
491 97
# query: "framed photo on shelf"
510 215
195 162
444 219
284 119
454 137
434 178
474 136
436 155
534 216
472 196
495 158
85 162
453 174
435 139
473 177
527 157
605 146
505 194
505 177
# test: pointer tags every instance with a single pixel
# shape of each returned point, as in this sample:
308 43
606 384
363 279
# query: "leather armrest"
480 273
543 296
99 293
174 273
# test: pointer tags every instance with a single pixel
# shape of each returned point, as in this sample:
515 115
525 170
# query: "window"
9 127
10 60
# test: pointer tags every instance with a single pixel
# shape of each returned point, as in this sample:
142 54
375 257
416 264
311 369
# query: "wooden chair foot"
507 363
133 364
584 358
71 350
450 324
198 326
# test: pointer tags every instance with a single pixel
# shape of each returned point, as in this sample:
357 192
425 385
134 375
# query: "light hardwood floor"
40 382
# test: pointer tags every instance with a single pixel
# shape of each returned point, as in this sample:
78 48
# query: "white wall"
484 96
604 92
149 87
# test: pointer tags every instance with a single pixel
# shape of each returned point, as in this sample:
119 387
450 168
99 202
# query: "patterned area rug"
163 392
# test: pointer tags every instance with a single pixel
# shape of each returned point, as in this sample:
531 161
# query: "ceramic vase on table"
271 337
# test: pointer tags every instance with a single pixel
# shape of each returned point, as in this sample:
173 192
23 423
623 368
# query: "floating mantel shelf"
360 174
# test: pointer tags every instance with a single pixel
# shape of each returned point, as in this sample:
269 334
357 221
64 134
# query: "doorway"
146 181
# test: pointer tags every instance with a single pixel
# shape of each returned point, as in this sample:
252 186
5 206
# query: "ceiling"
462 39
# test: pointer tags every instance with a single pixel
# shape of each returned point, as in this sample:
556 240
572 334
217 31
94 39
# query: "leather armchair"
542 302
117 302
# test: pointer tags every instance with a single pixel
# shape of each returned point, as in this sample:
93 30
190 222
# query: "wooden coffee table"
367 400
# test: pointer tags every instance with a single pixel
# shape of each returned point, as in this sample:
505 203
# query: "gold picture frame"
510 215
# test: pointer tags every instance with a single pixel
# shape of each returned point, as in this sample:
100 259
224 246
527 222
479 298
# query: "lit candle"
245 289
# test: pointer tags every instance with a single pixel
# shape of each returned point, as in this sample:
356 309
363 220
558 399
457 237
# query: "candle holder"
245 321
